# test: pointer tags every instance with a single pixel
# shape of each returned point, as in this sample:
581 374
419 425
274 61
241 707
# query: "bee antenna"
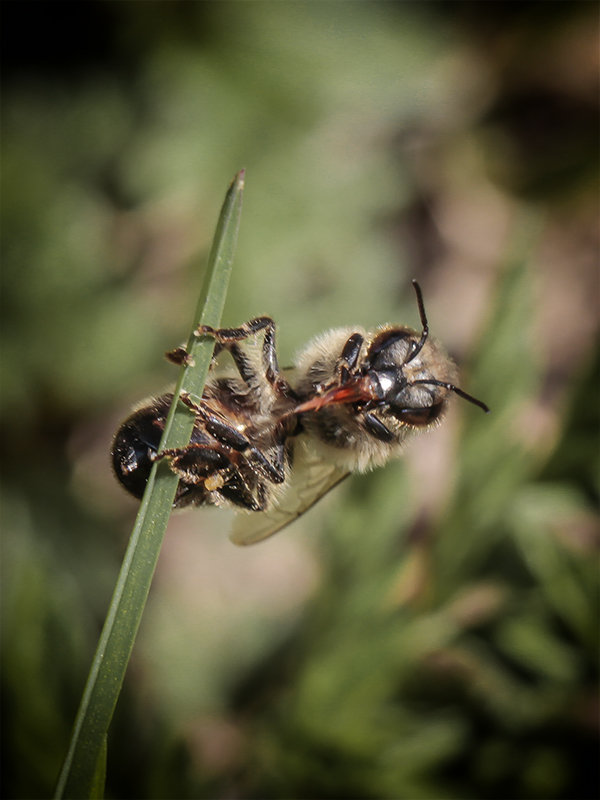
424 323
452 388
421 305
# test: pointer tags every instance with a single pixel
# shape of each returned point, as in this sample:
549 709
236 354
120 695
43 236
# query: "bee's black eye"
419 416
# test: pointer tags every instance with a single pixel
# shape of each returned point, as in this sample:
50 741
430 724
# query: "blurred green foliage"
417 637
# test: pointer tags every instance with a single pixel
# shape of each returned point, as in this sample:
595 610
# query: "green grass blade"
82 772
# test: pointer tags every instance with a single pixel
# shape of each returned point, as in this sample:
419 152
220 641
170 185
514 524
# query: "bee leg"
377 429
214 469
198 463
238 492
227 435
271 471
228 338
180 357
274 469
349 357
202 470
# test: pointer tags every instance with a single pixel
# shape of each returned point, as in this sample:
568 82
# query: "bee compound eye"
420 417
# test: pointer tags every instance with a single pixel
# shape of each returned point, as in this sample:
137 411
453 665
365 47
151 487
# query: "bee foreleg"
349 356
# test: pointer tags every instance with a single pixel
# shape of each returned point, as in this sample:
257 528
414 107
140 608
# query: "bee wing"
311 478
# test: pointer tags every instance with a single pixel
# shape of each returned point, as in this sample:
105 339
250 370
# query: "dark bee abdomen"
135 444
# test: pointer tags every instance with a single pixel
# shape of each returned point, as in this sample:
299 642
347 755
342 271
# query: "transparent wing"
311 478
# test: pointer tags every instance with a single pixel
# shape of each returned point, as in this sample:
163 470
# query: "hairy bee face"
273 441
385 384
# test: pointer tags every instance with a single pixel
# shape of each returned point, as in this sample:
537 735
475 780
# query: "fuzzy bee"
273 441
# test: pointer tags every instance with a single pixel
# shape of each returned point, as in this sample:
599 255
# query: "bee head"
411 374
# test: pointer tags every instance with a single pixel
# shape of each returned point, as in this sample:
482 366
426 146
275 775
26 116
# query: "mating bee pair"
273 441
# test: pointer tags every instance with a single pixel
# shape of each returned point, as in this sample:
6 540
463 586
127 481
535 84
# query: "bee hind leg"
208 468
228 338
239 493
198 463
225 434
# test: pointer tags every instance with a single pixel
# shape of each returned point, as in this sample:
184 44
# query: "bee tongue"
351 392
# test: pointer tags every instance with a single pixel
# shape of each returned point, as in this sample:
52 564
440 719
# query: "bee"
271 441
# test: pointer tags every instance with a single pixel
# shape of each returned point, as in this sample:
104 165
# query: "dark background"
430 630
